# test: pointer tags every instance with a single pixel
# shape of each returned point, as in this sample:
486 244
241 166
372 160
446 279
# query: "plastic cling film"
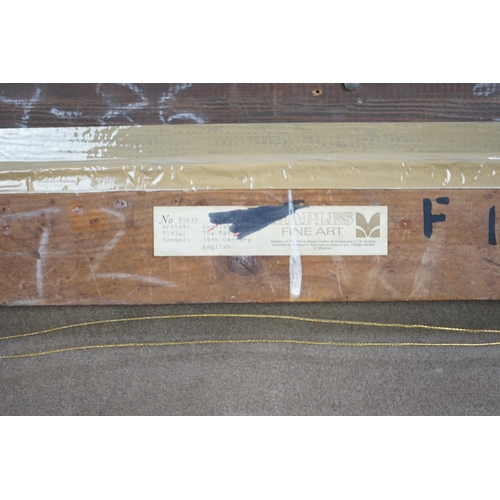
251 156
213 143
263 175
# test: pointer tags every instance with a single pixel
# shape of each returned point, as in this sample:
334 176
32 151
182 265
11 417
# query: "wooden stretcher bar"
97 248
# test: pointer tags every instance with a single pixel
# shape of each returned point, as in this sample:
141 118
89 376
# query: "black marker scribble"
246 222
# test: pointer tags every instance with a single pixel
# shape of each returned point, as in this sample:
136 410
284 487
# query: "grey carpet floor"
251 378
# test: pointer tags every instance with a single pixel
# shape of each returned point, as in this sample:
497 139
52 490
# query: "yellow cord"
254 341
257 316
250 341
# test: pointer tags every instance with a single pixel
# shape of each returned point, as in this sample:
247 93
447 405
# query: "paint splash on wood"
248 221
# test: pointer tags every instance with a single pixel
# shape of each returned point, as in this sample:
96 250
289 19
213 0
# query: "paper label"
270 230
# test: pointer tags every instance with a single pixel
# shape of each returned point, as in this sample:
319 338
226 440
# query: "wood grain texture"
55 105
85 249
98 249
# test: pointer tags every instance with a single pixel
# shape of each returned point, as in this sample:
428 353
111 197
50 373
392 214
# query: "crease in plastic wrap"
251 156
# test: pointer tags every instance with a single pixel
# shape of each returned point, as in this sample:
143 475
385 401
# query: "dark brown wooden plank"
53 105
94 249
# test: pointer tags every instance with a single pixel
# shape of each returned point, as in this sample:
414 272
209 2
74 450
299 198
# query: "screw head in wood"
351 86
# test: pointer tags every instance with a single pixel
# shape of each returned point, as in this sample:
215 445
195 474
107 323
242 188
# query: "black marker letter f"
429 217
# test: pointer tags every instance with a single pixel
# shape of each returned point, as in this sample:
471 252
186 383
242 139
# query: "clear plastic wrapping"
251 156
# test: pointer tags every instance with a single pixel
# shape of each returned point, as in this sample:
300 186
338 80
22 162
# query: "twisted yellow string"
254 341
250 341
